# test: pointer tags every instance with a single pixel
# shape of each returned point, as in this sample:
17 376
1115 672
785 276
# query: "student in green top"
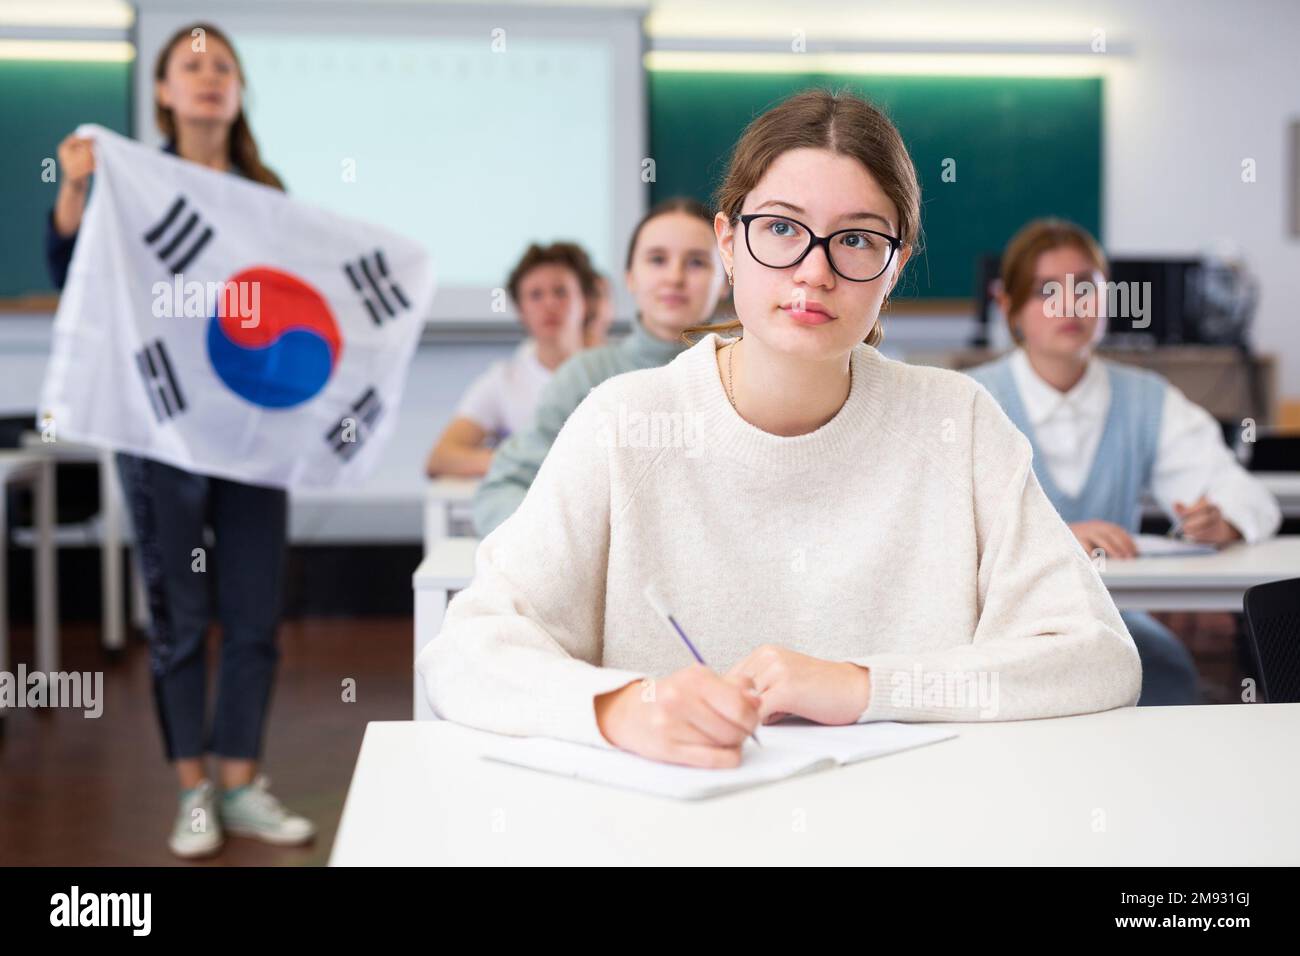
675 274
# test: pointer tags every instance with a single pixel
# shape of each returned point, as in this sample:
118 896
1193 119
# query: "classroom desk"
1209 582
1136 786
111 528
1285 486
447 567
446 502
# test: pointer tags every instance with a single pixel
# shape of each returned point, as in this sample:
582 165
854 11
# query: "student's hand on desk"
1111 538
789 683
1204 523
690 717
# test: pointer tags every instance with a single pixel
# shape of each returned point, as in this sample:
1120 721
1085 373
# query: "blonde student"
845 538
1104 434
553 288
675 274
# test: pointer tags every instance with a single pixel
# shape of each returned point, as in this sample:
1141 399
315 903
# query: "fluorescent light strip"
66 13
927 64
103 51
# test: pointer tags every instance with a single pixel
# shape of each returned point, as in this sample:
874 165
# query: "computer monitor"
1165 291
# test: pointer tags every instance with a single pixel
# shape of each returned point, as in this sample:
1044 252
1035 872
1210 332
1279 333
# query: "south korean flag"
221 326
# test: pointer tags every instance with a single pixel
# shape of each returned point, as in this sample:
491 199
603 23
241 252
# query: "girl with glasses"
843 537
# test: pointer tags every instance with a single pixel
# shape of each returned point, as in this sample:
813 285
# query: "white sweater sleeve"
519 648
1049 641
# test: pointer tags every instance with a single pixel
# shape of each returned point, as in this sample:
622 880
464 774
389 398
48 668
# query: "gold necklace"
730 392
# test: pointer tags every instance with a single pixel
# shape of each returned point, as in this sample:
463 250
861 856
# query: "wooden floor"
97 792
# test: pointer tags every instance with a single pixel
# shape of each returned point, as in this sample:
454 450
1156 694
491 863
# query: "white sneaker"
253 812
197 831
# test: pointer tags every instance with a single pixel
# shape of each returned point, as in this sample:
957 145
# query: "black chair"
1273 631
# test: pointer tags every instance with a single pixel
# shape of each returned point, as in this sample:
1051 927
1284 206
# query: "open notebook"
789 748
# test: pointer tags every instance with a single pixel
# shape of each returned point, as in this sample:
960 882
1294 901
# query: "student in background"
600 315
675 275
552 287
846 538
1105 433
198 90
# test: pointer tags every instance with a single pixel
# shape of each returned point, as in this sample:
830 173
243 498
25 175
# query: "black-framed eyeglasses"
780 242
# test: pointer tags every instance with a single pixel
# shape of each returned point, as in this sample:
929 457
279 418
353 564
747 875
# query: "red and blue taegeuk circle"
288 354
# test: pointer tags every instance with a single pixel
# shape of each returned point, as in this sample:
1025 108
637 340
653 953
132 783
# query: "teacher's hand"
789 683
76 160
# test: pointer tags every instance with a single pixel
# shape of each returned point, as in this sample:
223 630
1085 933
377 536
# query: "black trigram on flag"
353 428
379 292
160 381
178 236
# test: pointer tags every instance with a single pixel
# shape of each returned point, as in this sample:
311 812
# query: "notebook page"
852 742
618 768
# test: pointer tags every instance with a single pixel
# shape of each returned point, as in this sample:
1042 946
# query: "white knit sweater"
908 535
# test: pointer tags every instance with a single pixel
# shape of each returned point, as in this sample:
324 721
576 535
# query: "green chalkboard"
1024 147
41 101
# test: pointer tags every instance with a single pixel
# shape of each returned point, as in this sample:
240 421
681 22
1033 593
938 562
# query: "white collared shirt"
503 399
1191 456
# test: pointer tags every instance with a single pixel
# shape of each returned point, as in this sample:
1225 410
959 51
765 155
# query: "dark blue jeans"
1168 670
169 510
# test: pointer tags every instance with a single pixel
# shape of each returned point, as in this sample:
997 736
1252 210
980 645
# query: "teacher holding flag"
198 108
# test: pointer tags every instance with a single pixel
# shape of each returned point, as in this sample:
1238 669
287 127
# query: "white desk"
1206 786
112 534
1210 582
447 567
36 469
1285 486
446 501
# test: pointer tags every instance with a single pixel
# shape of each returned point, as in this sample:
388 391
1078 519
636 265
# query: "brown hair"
841 122
243 148
1020 259
568 254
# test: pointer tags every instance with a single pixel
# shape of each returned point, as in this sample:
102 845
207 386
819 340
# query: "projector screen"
473 130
